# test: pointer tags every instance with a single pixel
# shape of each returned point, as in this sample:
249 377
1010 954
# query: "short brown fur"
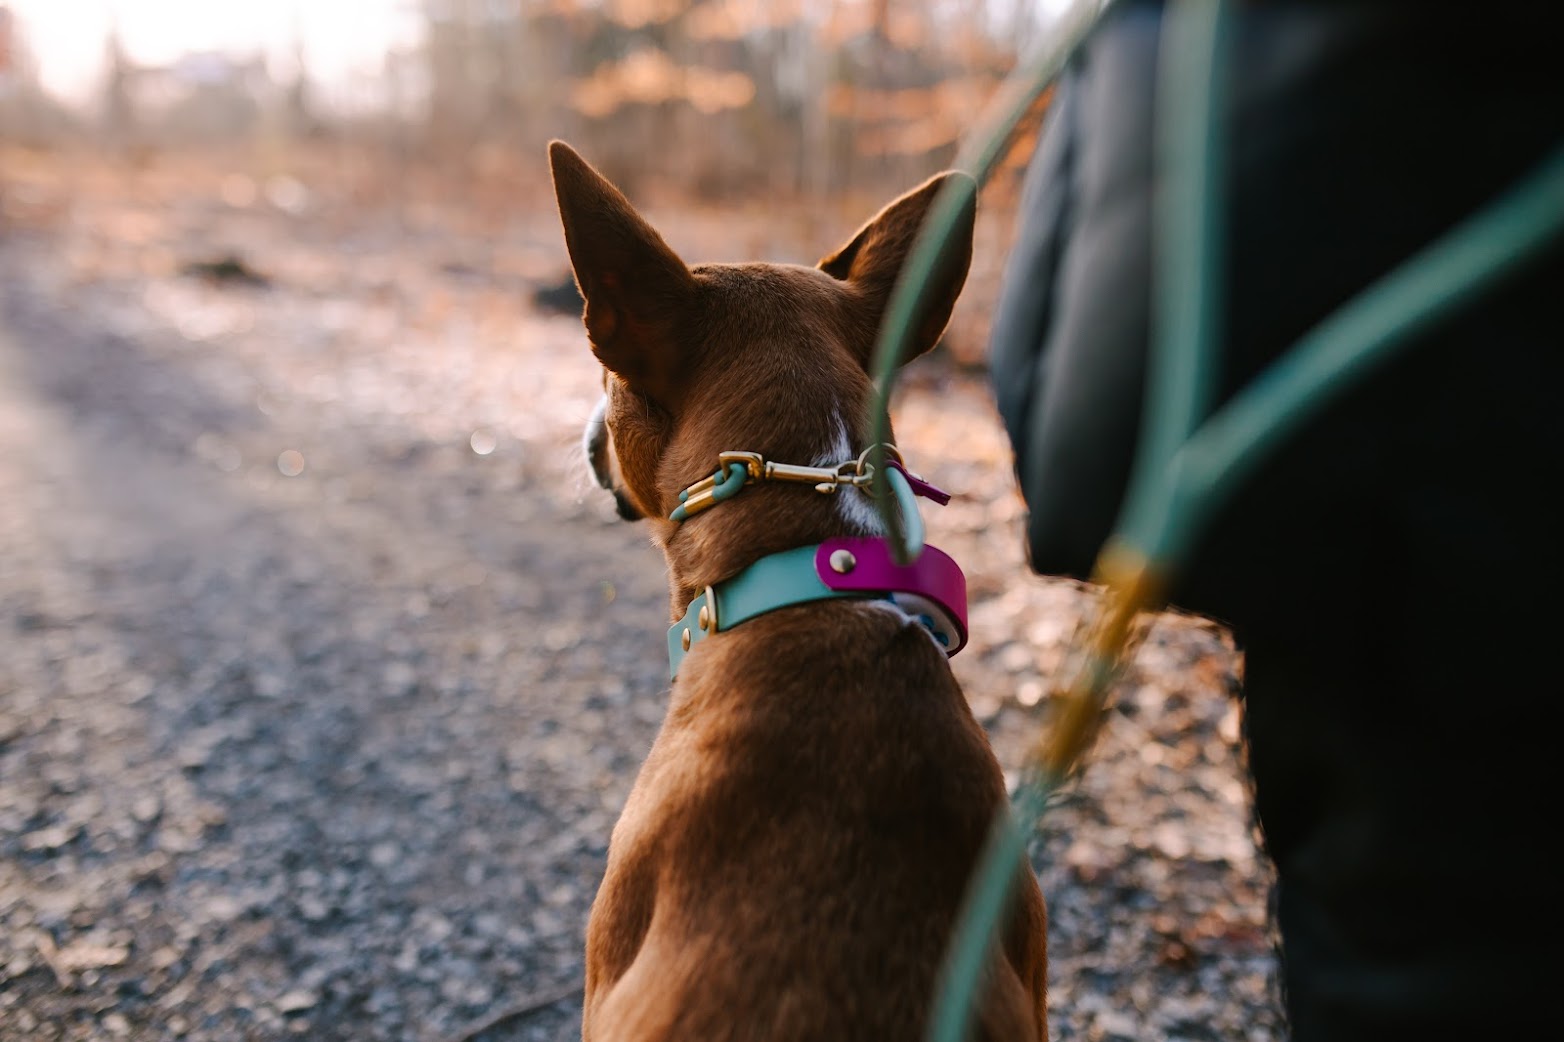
791 860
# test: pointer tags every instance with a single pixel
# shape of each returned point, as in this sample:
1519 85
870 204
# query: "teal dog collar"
932 590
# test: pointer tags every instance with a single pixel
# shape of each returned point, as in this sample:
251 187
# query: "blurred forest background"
813 112
797 97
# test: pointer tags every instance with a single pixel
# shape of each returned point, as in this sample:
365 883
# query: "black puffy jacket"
1392 574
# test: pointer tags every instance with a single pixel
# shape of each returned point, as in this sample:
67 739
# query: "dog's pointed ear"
874 257
636 289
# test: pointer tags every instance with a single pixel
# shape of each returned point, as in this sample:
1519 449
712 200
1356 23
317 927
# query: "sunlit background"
825 81
67 42
823 108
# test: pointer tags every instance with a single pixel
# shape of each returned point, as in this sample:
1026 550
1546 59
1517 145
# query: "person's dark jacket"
1392 573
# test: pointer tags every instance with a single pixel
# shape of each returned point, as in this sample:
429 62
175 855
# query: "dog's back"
798 843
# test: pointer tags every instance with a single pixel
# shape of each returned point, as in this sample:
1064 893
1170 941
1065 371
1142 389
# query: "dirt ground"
324 669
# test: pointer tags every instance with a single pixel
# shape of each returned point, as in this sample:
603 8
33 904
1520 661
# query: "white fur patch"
856 508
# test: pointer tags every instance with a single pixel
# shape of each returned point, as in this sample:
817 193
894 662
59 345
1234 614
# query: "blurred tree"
118 113
298 112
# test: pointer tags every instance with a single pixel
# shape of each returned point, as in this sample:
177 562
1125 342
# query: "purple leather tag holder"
934 577
921 487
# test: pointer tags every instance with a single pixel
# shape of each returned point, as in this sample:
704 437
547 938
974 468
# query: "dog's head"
769 358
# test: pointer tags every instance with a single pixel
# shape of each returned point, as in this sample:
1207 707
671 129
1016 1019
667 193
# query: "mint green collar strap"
773 582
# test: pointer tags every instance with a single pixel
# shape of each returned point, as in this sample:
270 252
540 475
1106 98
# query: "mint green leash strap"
980 153
1190 463
1166 512
777 581
912 535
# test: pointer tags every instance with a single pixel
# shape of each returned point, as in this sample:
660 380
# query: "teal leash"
1188 463
980 153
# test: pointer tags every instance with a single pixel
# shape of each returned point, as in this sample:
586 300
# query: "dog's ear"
873 259
636 289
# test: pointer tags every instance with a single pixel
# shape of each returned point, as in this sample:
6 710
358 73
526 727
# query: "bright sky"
341 37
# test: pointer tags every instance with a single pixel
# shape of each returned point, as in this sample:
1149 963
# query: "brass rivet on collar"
843 561
686 639
705 618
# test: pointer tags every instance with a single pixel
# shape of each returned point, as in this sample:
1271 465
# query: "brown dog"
792 858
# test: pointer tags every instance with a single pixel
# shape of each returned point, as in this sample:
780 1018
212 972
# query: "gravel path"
323 674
